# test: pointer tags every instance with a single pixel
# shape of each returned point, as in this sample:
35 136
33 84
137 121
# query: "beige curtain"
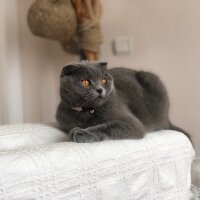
10 73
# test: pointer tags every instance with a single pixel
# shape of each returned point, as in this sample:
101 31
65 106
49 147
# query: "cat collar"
80 109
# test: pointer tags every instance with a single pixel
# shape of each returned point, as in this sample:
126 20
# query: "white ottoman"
37 163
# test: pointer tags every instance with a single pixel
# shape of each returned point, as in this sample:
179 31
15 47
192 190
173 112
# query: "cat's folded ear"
103 65
69 70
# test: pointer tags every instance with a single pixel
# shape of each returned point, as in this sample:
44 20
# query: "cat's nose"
100 90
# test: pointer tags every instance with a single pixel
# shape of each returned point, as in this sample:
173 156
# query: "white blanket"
33 168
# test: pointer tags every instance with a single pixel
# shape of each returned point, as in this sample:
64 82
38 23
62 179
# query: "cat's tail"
175 128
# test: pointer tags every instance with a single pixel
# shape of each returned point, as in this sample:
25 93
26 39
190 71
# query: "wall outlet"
123 45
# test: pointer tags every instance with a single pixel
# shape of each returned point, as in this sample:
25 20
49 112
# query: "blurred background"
164 37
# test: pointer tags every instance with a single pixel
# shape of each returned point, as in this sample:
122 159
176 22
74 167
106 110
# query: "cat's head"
86 84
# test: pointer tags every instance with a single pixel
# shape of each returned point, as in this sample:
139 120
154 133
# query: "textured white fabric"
154 168
22 135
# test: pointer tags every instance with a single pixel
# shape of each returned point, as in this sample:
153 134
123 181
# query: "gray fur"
133 103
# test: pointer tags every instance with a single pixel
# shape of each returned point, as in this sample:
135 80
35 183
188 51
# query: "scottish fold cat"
119 103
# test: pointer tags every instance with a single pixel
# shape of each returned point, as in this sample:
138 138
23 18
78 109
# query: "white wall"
166 41
42 61
166 37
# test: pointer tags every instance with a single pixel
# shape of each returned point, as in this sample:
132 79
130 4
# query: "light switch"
123 45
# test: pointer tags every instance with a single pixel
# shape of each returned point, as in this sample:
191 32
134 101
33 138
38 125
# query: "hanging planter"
74 23
53 19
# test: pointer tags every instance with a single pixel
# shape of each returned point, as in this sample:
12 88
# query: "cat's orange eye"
104 81
85 83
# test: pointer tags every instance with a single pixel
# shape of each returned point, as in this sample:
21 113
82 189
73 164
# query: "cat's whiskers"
91 97
90 100
86 100
107 96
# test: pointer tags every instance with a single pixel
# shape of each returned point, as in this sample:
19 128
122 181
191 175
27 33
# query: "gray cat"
119 103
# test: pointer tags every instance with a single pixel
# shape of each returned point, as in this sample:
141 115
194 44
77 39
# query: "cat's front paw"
82 136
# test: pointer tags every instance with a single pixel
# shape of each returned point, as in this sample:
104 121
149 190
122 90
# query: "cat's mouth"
95 101
101 96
